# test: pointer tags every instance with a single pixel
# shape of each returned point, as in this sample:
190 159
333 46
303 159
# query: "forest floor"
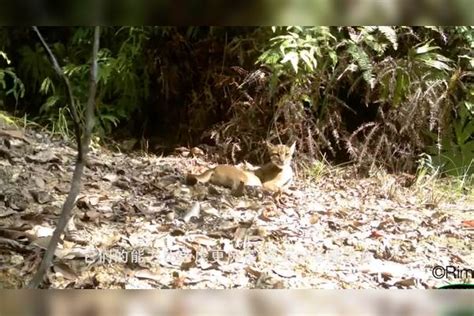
136 225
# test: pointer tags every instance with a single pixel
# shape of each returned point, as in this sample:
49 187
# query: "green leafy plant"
374 96
10 84
455 154
121 87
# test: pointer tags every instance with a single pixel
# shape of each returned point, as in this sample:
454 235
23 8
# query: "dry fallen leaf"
376 234
409 282
43 157
91 215
193 212
468 223
314 218
41 197
328 232
284 272
64 270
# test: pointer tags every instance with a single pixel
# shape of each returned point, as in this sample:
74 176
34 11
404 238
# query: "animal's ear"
292 148
269 145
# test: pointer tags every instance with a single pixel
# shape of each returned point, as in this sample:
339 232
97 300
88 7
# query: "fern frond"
390 35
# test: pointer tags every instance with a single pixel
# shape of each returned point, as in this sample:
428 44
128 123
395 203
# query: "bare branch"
72 106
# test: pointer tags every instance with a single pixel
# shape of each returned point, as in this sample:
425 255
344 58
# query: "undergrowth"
375 97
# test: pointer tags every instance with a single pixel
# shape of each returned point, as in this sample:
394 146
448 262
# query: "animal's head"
281 155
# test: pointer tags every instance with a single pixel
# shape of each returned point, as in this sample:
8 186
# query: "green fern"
390 34
17 88
299 49
363 62
34 65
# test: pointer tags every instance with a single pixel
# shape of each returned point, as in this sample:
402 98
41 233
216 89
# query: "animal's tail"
192 179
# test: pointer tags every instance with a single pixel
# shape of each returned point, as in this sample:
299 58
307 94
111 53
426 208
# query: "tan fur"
275 175
226 176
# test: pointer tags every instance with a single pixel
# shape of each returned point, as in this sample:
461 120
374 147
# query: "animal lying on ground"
275 175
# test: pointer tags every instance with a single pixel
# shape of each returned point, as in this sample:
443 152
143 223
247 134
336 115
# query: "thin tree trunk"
82 149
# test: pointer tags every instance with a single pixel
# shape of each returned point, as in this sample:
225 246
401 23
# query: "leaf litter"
137 225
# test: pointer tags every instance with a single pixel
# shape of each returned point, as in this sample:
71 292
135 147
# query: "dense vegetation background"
400 98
